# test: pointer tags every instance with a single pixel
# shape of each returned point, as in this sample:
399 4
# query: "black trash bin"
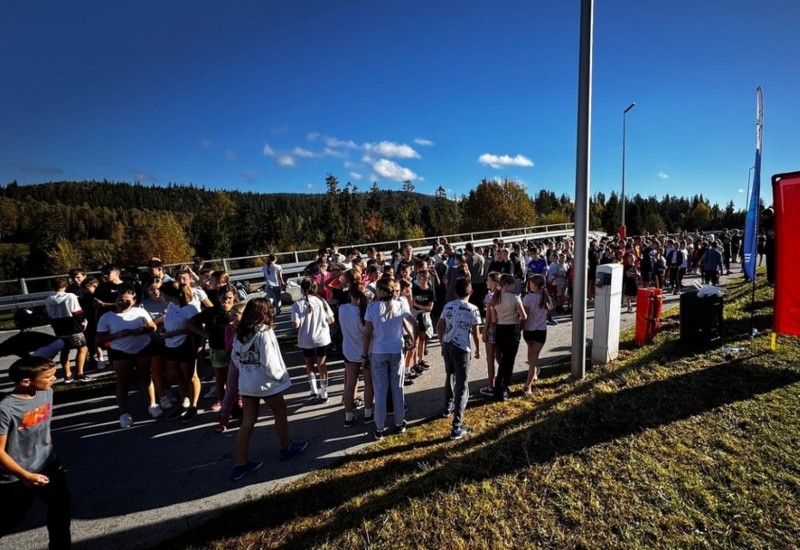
701 318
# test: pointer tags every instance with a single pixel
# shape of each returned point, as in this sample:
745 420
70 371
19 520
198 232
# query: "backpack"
241 291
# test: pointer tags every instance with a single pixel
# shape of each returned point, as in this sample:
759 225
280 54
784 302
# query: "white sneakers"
125 421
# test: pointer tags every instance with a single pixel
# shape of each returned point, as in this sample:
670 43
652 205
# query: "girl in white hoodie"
262 375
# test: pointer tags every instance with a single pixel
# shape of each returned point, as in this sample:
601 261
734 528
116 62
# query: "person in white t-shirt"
386 320
274 282
351 321
128 332
459 321
312 317
181 351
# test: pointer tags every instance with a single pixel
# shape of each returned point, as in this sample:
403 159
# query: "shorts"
539 336
311 353
489 332
117 355
220 358
74 341
185 353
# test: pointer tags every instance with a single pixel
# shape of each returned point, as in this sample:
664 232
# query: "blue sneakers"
458 433
294 449
240 471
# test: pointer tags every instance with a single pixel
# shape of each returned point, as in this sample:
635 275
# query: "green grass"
667 447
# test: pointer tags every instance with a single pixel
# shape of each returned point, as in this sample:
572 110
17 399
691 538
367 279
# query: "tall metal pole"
624 115
578 366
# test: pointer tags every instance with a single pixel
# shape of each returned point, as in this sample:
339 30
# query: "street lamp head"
631 106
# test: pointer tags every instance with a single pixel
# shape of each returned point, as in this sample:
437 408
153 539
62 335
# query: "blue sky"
271 96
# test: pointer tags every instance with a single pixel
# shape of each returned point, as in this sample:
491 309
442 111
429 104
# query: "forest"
51 227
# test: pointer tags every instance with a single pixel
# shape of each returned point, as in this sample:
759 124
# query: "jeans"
274 296
387 374
16 500
456 385
507 341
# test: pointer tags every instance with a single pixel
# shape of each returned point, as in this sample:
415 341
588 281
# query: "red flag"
786 202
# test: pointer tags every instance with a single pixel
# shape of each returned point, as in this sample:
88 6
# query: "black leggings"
507 342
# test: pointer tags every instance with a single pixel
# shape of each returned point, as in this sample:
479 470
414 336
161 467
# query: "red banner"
786 202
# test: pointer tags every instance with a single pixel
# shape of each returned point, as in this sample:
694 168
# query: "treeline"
48 228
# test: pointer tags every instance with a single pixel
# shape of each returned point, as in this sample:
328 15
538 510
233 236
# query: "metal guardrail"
299 259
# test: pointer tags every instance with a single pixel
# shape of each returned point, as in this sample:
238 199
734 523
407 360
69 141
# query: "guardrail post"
224 265
296 257
23 285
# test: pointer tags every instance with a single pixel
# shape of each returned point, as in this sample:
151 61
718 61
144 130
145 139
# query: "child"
489 329
459 320
232 385
537 304
262 375
28 465
630 281
68 321
311 316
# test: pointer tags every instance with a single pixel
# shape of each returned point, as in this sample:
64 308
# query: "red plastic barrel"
649 302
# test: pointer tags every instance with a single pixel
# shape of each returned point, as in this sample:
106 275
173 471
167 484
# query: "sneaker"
369 419
240 471
407 382
527 392
552 322
165 403
458 433
216 406
69 379
350 423
379 435
125 421
176 413
629 310
313 395
211 393
294 449
101 364
323 396
424 364
358 402
222 427
154 411
418 369
401 429
450 409
188 414
82 378
488 391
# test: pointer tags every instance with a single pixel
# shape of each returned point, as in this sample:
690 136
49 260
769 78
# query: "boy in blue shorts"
28 465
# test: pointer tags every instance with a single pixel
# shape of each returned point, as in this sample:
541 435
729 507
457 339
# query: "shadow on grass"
528 439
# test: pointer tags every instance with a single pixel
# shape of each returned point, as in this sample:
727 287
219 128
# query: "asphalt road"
132 488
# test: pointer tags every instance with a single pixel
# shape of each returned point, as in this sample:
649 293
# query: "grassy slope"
668 447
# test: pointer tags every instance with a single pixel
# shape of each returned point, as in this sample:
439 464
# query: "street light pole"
624 115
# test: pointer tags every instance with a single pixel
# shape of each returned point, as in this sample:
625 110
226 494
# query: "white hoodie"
66 315
262 372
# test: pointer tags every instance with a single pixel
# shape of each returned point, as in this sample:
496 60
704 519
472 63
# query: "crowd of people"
379 313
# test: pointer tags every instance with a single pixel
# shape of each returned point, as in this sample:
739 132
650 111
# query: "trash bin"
648 314
701 318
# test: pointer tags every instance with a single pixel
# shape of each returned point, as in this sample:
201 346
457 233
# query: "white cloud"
305 153
391 150
663 175
500 161
231 156
309 186
285 160
423 142
268 151
340 143
312 136
142 175
390 170
206 143
741 191
348 164
356 175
